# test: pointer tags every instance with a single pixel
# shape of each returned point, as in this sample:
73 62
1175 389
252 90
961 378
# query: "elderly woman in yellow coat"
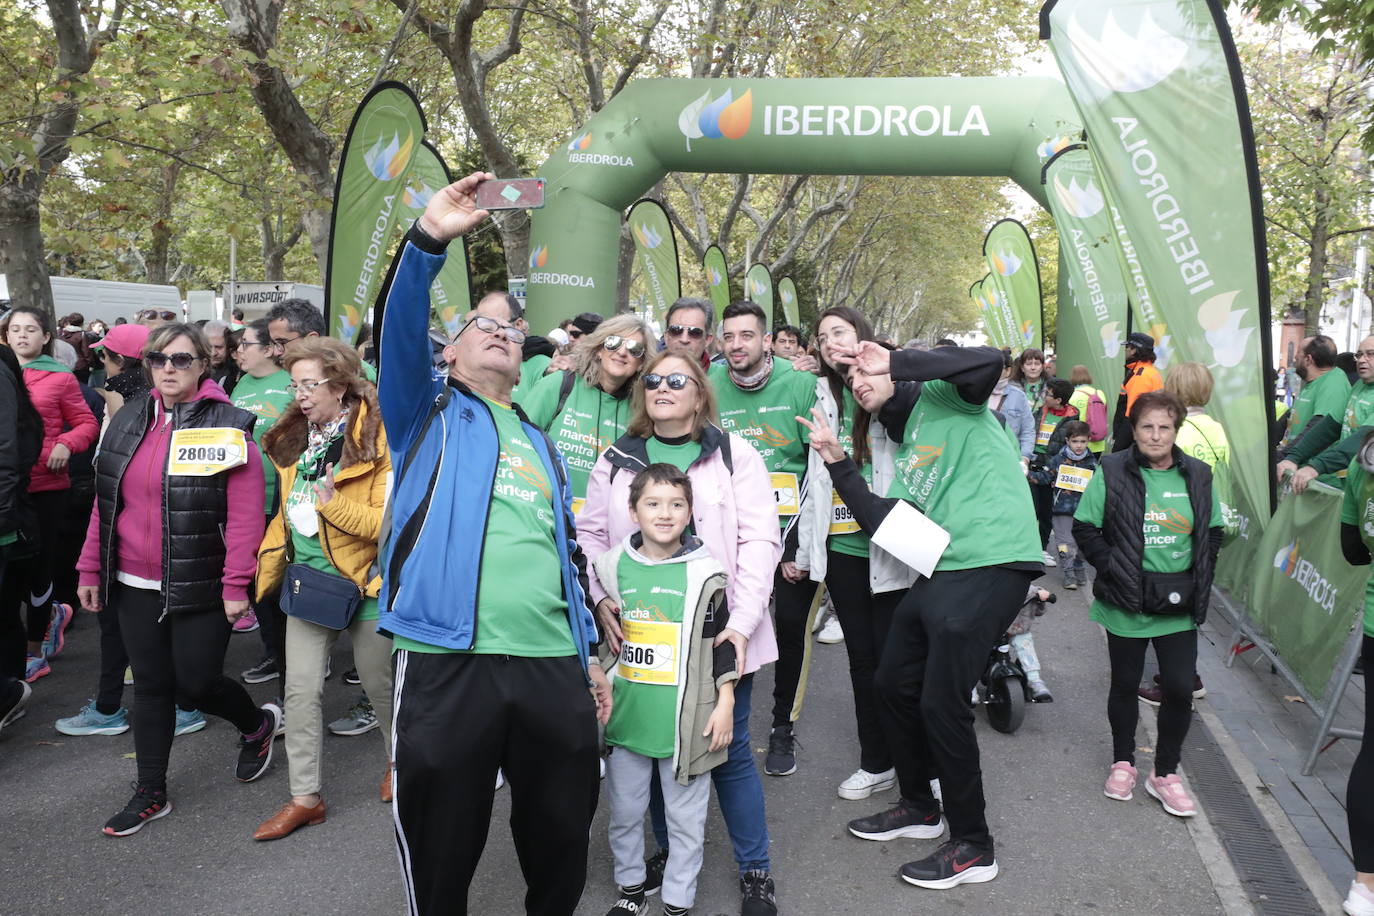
321 551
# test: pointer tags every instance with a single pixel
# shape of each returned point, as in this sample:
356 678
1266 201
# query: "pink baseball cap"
125 339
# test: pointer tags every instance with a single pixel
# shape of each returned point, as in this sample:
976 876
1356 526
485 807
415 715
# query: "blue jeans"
738 789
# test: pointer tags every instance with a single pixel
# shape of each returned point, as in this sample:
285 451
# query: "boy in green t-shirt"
664 680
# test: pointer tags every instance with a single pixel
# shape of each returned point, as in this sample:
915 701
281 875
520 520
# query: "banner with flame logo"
655 254
791 307
1158 88
372 195
758 288
717 278
1016 276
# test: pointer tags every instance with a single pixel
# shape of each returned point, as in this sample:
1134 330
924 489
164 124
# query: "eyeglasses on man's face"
492 326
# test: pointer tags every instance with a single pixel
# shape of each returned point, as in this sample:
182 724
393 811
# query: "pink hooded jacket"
57 398
733 512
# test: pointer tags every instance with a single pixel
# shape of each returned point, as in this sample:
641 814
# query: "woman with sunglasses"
171 548
672 416
586 408
865 582
330 451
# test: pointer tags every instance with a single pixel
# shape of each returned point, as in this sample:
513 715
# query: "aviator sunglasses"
677 330
676 381
615 342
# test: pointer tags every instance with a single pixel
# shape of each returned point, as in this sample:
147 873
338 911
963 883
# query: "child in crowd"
1068 472
674 693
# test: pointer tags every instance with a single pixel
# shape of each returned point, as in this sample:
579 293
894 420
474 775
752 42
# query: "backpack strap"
564 389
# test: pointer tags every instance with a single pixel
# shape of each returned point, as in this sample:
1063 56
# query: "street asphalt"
1062 846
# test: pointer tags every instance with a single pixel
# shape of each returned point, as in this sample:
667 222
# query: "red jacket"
66 418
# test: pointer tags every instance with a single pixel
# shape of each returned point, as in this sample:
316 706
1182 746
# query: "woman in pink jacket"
671 421
68 427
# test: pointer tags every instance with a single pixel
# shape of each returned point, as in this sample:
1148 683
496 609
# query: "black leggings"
1042 497
942 631
865 619
791 610
1359 794
178 661
1177 655
33 577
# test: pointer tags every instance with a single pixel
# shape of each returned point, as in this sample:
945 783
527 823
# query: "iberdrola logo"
580 142
1111 339
1027 331
1081 200
647 236
539 256
714 276
389 158
416 196
756 286
1005 263
1164 347
786 296
1221 325
726 117
1306 575
1286 560
350 319
1049 148
1119 61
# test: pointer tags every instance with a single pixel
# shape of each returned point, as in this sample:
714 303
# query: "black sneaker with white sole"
264 671
903 819
955 862
757 895
146 805
631 903
782 752
255 751
351 677
653 872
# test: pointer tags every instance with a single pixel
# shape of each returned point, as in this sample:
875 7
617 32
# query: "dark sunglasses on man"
615 342
180 361
676 381
154 314
677 330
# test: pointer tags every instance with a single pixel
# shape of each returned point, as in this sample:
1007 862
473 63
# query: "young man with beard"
759 398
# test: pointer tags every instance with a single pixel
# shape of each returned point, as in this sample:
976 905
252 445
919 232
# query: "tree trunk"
21 247
160 246
624 270
1317 257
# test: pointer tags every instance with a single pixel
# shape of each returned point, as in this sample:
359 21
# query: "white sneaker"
831 633
935 790
1359 902
1049 559
500 779
824 611
863 783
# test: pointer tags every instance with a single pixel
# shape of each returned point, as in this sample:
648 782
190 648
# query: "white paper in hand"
911 537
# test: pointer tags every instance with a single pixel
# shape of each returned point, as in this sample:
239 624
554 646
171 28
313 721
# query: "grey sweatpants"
627 784
1066 548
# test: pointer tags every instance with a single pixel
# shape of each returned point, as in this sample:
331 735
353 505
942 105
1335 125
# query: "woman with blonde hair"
330 451
673 421
586 408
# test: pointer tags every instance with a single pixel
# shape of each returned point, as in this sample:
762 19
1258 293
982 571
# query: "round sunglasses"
676 380
615 342
179 361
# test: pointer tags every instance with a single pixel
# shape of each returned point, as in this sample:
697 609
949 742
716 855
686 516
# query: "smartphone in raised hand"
510 194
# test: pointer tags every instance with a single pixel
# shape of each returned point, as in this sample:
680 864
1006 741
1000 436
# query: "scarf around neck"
758 379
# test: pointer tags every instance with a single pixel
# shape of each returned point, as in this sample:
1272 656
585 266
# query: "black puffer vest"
194 509
1124 531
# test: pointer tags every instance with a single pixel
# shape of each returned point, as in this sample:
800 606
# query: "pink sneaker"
247 623
1120 781
1171 794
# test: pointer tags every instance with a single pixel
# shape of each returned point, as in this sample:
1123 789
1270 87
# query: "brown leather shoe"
386 786
288 819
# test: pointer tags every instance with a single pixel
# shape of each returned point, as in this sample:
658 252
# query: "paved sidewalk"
1063 847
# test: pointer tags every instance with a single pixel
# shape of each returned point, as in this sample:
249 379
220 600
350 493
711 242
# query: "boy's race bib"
1072 478
649 653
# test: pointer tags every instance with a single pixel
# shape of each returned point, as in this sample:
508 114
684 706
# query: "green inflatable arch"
954 126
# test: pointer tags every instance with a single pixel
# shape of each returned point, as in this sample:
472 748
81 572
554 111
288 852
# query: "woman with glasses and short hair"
171 548
586 408
672 421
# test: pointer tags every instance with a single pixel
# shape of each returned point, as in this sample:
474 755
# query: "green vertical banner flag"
717 278
992 328
655 254
1092 323
1158 88
758 288
451 293
375 165
787 296
1016 274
